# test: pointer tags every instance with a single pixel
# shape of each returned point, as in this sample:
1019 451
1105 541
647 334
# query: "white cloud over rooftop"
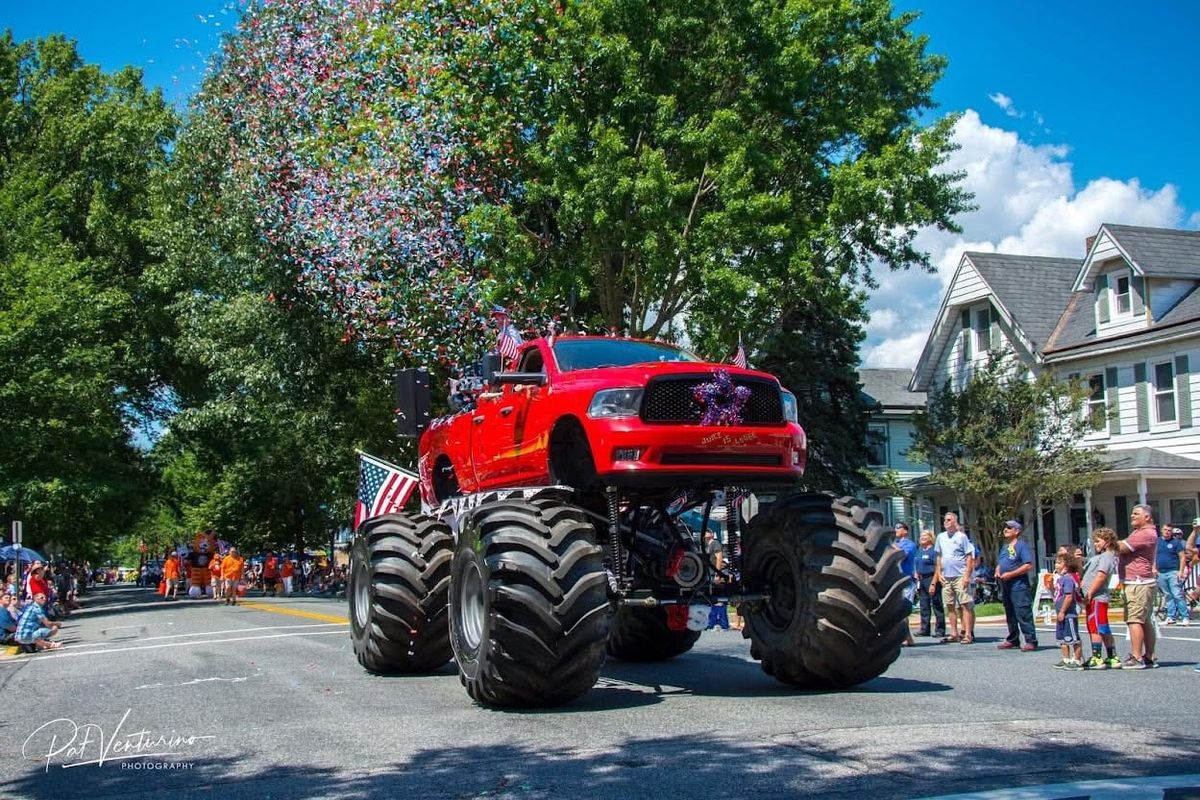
1027 205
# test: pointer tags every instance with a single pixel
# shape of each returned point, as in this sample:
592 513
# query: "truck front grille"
669 400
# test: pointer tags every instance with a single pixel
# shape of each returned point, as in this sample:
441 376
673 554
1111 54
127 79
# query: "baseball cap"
1012 523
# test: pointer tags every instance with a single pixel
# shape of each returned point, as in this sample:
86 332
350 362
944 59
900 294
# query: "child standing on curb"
1094 589
1066 593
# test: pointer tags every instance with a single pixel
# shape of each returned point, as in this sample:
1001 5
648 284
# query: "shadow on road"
686 766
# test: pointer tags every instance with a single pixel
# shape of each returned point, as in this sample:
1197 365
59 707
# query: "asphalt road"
265 700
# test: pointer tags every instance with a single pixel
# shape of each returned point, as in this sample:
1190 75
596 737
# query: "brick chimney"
1087 244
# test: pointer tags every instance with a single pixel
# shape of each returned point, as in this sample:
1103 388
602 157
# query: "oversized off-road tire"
529 602
641 634
399 593
836 612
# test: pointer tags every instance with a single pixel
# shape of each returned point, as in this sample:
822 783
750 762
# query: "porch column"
1091 523
1143 490
1038 550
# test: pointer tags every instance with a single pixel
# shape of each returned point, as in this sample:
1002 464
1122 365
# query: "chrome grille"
670 401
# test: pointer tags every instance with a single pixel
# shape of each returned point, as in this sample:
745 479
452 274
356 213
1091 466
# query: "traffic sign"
16 532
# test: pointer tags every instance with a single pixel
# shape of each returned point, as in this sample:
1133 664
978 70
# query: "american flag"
382 488
508 342
739 358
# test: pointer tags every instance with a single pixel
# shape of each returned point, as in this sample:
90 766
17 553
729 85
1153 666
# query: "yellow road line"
295 612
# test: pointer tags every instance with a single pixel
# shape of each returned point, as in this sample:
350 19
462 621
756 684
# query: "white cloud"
1027 205
1006 104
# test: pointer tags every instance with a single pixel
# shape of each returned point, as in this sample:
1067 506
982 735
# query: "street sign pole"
16 565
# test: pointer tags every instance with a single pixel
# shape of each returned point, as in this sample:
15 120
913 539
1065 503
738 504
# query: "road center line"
294 612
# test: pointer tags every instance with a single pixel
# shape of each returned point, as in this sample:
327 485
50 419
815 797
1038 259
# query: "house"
1126 319
889 435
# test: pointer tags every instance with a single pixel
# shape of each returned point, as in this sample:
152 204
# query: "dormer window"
1122 298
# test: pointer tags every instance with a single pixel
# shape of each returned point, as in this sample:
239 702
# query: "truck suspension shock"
617 554
733 526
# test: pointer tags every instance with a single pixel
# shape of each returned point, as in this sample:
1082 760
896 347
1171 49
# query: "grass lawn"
981 610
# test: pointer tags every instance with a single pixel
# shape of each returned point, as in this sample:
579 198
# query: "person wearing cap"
1170 565
1014 566
908 568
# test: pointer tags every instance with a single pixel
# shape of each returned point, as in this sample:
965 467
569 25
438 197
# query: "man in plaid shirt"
34 629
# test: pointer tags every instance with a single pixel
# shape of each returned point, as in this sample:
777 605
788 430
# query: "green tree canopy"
79 149
1007 440
708 160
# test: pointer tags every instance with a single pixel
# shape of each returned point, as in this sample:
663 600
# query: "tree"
79 149
692 164
1006 440
270 398
813 353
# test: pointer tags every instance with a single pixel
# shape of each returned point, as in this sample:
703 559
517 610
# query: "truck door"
530 424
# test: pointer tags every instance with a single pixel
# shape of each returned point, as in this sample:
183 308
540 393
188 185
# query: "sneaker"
1114 662
1006 646
1133 663
1095 662
1028 647
1150 663
1185 622
1074 665
1170 622
1063 664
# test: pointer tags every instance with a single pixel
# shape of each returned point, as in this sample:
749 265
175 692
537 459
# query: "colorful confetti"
343 131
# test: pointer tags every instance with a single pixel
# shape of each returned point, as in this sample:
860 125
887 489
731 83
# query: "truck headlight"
791 409
615 403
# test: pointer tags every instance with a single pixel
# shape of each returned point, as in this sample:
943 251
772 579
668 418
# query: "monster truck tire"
836 613
641 634
529 602
399 593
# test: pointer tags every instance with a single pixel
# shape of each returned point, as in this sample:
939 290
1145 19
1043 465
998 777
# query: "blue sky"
1073 114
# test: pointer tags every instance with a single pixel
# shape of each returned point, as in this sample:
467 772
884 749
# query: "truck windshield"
573 354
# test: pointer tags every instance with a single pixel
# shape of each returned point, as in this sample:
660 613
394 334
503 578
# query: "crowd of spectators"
35 598
1154 568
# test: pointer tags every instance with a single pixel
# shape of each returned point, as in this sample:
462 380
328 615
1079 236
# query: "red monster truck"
550 534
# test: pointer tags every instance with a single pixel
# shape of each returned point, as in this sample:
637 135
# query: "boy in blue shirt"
1066 594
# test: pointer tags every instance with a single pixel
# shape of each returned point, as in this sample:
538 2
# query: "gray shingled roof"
1146 458
1160 252
1033 289
1078 326
889 387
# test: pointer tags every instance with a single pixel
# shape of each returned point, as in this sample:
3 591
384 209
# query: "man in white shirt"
955 566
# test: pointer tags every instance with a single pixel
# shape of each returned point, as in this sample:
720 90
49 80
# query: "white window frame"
1097 405
983 335
1157 392
1115 282
877 435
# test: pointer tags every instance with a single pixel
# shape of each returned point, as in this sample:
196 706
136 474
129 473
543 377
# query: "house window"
965 336
1183 511
1164 392
1122 299
983 330
1097 411
877 445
